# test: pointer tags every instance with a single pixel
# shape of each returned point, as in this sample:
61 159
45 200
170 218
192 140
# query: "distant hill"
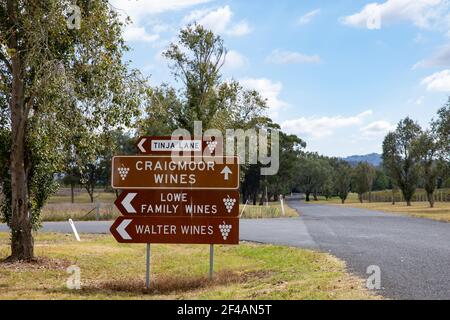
373 158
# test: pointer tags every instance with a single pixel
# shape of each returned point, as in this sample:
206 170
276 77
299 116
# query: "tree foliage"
363 177
400 158
57 83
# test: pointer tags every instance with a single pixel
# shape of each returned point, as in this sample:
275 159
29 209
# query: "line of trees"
413 156
329 177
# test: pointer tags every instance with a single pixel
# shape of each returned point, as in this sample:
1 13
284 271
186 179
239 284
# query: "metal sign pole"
211 261
147 274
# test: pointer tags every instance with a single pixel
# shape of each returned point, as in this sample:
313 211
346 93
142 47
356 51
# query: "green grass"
116 271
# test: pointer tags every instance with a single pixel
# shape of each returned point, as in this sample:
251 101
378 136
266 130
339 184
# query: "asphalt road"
413 254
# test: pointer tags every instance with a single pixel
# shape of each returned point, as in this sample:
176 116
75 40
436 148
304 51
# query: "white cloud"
269 90
440 59
134 33
160 27
422 13
234 60
240 29
139 10
289 57
420 100
307 17
439 81
377 128
319 127
218 21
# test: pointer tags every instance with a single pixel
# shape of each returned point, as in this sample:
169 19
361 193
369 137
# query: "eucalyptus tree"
363 177
196 59
312 173
343 174
400 158
56 79
441 128
426 147
284 181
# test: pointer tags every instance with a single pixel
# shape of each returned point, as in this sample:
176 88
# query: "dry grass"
39 263
116 271
273 210
440 212
173 284
79 212
59 208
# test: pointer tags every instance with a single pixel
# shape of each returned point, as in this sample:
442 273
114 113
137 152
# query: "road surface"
413 254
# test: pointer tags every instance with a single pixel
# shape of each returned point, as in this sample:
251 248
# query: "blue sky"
339 74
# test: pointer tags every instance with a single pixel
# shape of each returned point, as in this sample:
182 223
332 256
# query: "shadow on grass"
170 284
38 263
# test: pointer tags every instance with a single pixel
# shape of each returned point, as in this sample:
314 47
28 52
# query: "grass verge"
273 210
116 271
440 212
107 211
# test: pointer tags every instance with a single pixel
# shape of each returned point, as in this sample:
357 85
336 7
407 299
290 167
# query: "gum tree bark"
22 242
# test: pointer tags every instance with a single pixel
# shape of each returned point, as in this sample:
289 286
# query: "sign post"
147 270
174 199
211 261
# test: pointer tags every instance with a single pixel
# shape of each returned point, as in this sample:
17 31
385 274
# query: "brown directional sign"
165 145
165 172
178 203
176 230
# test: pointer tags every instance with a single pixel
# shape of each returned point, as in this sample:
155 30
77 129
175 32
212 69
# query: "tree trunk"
91 195
408 202
22 243
360 197
261 200
307 196
430 197
315 196
72 194
343 201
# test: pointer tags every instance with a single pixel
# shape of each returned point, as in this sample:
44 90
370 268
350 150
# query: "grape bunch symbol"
225 230
123 172
229 203
212 144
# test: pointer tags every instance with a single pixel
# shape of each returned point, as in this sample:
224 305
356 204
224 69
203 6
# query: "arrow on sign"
126 202
226 171
121 229
141 145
